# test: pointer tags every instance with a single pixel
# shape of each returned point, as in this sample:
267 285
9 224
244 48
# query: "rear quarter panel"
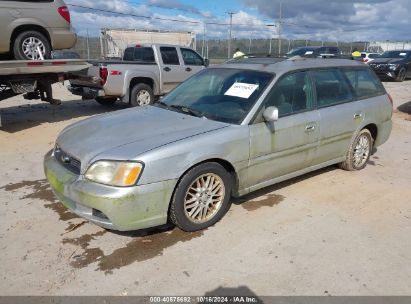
378 110
119 85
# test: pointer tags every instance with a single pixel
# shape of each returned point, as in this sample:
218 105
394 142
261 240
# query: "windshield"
299 52
395 54
221 94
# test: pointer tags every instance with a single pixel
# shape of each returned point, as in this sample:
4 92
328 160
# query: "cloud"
343 20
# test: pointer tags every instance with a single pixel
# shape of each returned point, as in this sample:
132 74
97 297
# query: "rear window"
331 88
145 54
364 83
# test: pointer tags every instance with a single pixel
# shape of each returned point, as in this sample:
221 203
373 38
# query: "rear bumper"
86 92
63 39
115 208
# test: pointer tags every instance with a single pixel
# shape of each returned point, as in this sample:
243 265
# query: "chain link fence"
94 47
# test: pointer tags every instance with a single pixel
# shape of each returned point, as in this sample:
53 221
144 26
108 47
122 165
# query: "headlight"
115 173
393 66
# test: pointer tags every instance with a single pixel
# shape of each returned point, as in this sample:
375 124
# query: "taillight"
65 13
391 100
103 75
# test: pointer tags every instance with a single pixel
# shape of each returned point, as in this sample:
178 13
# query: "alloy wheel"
33 48
204 198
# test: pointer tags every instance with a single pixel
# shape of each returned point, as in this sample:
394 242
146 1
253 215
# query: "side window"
364 83
291 94
191 58
169 55
331 88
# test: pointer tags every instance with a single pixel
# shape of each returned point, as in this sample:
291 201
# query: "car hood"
150 127
387 60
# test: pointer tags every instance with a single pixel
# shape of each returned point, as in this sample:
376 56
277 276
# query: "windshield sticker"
309 53
403 54
242 90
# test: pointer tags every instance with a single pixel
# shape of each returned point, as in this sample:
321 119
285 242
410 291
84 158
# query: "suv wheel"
29 45
201 198
141 95
401 75
359 152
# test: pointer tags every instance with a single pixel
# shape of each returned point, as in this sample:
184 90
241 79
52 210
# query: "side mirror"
206 62
270 114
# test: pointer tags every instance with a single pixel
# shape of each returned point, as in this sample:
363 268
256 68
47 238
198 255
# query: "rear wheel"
31 45
359 152
141 95
201 198
106 101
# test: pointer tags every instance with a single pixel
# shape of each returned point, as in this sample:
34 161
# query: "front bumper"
115 208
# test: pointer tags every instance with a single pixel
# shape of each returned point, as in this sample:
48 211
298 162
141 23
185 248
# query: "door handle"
167 69
188 69
309 128
357 115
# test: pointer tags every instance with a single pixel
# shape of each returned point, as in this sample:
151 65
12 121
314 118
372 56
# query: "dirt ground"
330 232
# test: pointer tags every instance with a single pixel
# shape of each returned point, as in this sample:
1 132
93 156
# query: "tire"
401 75
141 95
26 41
181 207
357 159
106 101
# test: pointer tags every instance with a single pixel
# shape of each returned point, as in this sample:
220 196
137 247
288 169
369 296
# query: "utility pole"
204 39
279 29
229 41
88 46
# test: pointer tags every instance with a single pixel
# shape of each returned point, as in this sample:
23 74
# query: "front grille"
379 67
67 161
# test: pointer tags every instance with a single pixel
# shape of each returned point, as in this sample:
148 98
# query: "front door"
193 62
289 144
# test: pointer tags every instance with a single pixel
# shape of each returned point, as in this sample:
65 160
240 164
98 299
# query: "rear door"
193 62
289 144
340 115
171 68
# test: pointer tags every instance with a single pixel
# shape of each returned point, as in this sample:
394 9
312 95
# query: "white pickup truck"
146 72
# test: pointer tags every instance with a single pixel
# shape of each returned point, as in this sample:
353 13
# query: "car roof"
284 65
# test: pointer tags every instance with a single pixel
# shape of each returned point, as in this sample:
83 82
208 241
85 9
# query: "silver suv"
227 131
30 30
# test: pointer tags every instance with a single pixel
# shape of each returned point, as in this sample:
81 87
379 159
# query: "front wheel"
359 152
141 95
201 198
401 75
31 45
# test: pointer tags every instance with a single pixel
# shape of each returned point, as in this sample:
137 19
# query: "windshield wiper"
187 110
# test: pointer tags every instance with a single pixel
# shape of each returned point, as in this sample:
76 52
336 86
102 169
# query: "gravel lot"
330 232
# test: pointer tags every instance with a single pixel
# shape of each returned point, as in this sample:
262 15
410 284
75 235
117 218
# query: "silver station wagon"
227 131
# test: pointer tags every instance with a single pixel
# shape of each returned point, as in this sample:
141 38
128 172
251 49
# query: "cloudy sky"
345 20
